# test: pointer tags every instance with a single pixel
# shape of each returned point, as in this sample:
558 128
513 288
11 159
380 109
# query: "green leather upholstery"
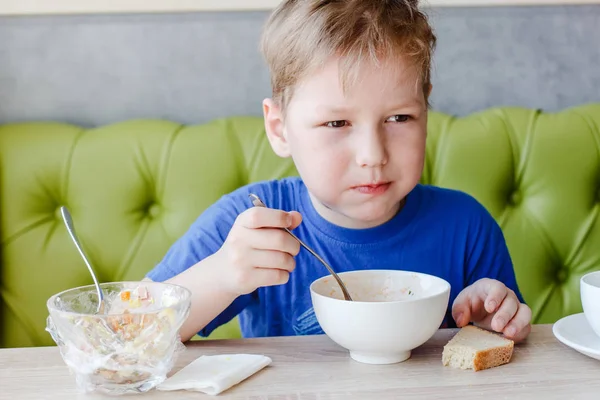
134 187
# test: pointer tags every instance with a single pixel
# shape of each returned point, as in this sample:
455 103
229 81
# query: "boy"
350 82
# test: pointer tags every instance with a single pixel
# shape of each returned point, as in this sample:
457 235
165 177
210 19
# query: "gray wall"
190 68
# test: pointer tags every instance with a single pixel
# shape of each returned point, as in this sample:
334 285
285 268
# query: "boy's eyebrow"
334 109
409 104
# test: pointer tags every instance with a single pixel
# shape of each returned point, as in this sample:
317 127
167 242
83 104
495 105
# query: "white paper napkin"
215 374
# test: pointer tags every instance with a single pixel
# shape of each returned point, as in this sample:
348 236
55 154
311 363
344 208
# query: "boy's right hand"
256 253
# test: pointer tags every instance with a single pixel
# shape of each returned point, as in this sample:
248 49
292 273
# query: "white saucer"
575 332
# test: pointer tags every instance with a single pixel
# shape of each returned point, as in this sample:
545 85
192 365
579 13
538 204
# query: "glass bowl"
132 346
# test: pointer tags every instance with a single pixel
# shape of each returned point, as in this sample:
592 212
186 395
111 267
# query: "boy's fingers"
270 276
505 313
461 309
262 217
493 294
296 219
520 326
272 239
269 259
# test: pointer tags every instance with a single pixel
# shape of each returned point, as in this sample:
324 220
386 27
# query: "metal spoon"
69 223
258 203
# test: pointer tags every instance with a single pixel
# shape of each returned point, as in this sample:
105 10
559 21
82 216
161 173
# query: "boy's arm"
208 301
191 262
491 297
229 252
489 256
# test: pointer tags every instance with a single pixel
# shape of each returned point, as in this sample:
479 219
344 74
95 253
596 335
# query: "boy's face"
361 153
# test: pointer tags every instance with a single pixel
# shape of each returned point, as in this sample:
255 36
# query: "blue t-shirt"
441 232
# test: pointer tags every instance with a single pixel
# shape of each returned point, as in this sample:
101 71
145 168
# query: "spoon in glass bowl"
69 223
258 203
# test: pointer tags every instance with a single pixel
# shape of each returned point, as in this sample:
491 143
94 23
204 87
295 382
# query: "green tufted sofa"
134 187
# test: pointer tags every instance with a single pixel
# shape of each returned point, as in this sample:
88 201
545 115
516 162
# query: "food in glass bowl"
132 346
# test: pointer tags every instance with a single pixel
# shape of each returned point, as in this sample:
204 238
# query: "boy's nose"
371 150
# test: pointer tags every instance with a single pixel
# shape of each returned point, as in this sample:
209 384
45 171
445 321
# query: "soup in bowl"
392 312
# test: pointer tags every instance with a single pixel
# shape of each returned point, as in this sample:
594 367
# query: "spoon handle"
71 229
337 278
258 202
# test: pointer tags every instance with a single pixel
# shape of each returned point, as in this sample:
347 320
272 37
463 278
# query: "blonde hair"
301 35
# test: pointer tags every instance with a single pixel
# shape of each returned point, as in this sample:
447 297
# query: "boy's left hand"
488 303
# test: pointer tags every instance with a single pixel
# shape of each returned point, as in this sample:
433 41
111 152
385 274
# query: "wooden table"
313 367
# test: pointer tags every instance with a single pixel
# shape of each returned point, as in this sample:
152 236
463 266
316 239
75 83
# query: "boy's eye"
336 124
399 118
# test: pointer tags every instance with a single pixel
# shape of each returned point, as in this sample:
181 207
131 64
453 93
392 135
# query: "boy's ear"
274 127
429 89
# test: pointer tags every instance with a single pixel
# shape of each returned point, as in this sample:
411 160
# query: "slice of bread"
477 349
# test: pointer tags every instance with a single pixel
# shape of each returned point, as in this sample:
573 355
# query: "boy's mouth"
373 188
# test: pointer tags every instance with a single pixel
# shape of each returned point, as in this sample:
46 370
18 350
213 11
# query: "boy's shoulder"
455 196
461 204
275 193
221 214
459 212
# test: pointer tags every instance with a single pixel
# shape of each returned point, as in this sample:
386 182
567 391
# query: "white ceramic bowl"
392 312
590 299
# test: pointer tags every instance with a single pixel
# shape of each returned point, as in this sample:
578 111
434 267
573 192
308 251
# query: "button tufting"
153 210
562 275
57 213
515 198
